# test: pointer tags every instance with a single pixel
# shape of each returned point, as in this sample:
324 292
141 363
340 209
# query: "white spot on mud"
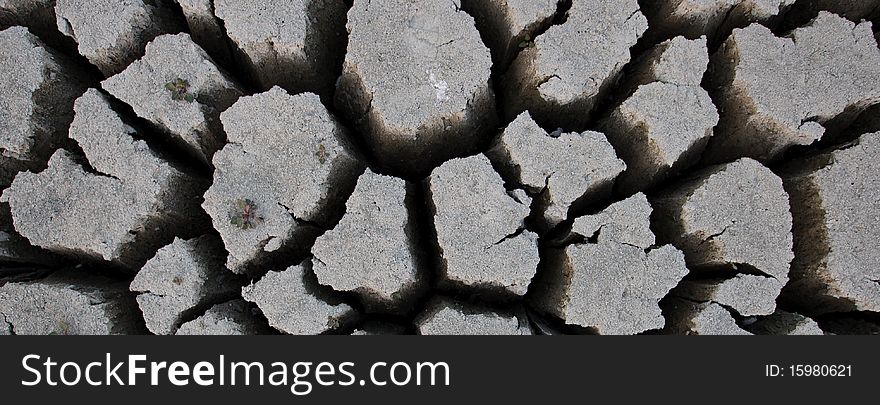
439 86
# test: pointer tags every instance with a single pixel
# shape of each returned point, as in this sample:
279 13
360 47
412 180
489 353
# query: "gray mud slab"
776 93
295 44
783 323
561 169
837 245
572 65
447 317
178 88
613 282
235 317
284 174
415 82
111 34
371 251
728 219
678 61
181 278
664 126
690 318
36 106
69 302
747 294
104 211
292 305
62 219
729 216
480 229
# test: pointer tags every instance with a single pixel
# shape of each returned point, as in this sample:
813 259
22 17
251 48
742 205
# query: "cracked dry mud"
513 167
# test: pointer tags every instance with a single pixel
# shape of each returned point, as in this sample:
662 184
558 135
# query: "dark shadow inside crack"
544 324
332 297
808 290
326 43
200 308
850 323
490 21
169 148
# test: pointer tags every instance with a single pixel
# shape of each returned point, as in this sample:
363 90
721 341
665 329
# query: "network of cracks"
452 167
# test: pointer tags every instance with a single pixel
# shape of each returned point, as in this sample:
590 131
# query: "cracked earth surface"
439 167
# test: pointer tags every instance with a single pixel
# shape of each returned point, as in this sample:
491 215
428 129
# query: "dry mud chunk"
783 323
779 92
39 87
480 227
687 317
735 217
292 305
235 317
568 168
678 61
290 43
370 251
731 215
665 125
183 276
205 27
694 18
837 241
114 213
35 111
112 33
68 304
614 282
190 111
416 81
445 317
571 65
510 25
285 164
748 295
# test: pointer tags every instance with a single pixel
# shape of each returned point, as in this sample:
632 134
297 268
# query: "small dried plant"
179 89
527 42
321 153
244 215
